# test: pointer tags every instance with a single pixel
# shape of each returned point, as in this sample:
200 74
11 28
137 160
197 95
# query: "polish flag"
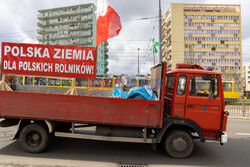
108 22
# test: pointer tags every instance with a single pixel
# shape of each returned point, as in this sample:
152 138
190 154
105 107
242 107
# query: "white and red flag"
108 22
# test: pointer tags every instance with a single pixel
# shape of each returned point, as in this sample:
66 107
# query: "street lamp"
138 61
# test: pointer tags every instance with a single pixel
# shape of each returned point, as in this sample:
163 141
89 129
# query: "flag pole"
154 58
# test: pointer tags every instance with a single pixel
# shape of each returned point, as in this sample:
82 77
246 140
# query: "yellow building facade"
205 34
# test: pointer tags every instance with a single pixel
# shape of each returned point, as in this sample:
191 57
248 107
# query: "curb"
239 117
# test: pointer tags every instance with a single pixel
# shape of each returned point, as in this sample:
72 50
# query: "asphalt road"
74 152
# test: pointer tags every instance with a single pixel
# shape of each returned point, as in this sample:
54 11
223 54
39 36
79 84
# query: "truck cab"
196 95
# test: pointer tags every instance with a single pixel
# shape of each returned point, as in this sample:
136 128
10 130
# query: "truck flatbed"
81 109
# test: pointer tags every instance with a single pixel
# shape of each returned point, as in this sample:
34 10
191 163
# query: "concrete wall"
177 34
246 76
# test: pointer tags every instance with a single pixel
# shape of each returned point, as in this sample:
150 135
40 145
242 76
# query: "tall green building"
74 26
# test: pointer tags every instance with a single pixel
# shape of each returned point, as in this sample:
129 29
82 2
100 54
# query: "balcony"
106 56
40 15
169 49
168 43
105 43
40 31
169 21
80 43
57 14
235 20
65 28
56 22
66 36
41 23
163 35
40 38
106 49
106 63
85 34
169 29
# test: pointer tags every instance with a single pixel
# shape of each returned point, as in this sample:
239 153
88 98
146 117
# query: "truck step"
105 138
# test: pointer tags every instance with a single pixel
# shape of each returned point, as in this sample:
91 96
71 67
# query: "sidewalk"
238 117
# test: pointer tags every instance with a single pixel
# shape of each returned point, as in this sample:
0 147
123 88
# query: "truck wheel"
178 144
33 138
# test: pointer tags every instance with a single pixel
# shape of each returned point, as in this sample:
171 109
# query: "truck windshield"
200 87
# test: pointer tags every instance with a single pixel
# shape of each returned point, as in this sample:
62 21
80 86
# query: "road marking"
244 134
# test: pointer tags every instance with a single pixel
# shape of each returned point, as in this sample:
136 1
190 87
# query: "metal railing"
238 107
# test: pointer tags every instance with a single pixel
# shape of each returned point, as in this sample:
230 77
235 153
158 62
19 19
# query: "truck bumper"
223 138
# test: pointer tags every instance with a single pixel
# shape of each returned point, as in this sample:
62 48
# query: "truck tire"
178 144
33 138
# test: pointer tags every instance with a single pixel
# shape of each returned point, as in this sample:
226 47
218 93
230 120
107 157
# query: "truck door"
201 108
170 84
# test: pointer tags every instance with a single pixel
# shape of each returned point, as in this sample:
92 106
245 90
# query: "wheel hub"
179 144
35 137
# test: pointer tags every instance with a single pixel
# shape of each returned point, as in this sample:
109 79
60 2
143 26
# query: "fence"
238 107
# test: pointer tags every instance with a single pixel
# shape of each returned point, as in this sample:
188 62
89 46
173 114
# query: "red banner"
48 60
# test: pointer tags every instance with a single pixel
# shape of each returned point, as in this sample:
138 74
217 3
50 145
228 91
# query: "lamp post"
160 51
138 61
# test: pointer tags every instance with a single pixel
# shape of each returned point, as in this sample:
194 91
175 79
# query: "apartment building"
74 26
205 34
246 77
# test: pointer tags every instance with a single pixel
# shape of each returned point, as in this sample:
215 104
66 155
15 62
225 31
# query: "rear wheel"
178 144
33 138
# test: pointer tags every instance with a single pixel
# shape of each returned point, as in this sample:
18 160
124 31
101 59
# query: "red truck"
190 106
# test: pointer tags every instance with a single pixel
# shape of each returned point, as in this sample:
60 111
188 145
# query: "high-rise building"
246 77
74 26
204 34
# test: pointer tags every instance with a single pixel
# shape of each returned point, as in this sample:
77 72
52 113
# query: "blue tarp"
135 93
117 92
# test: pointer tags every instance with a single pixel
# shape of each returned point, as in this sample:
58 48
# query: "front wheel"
178 144
33 138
